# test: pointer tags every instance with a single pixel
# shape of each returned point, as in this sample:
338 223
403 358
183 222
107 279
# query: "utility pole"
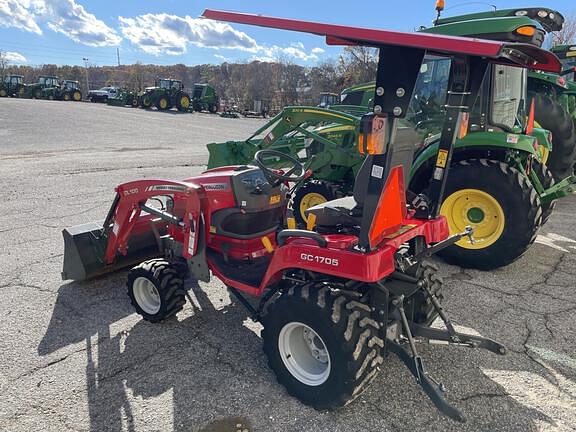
118 55
87 80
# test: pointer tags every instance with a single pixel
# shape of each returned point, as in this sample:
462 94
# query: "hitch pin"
469 232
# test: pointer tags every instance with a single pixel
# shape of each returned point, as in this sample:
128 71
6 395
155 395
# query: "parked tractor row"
47 87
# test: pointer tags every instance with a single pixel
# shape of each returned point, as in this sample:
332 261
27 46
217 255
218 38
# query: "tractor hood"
501 29
550 20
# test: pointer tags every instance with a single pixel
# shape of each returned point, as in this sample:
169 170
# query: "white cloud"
159 34
318 50
20 14
221 57
14 57
63 16
171 34
71 19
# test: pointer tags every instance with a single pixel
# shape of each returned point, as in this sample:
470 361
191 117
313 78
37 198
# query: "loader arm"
131 201
287 132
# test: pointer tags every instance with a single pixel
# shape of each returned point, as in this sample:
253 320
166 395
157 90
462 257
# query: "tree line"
276 84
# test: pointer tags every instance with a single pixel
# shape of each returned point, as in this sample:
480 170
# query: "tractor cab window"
508 96
426 110
352 98
164 84
569 63
176 85
6 79
17 80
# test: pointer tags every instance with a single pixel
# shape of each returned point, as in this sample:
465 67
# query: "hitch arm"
463 339
428 252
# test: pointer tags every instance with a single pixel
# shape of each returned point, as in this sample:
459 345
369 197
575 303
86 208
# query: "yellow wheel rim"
77 96
185 102
66 97
3 93
310 200
163 103
478 209
544 152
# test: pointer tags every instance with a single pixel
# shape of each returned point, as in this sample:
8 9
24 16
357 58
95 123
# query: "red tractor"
337 297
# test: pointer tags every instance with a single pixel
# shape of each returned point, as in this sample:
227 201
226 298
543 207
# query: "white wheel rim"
304 354
146 295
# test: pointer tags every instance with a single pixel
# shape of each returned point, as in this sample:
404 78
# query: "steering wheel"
275 176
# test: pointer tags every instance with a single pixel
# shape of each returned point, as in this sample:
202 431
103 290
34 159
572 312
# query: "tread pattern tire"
168 283
348 331
519 201
547 179
552 116
424 311
311 186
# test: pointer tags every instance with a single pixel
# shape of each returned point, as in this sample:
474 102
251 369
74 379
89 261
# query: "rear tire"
322 346
500 203
552 116
156 290
213 108
313 192
183 102
424 311
547 180
3 93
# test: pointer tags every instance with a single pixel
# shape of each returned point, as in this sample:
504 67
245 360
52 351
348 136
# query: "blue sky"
169 31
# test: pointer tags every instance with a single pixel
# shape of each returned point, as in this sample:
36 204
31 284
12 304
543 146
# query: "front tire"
322 346
156 290
183 102
499 203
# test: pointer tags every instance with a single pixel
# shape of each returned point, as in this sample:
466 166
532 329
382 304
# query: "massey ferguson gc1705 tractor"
337 297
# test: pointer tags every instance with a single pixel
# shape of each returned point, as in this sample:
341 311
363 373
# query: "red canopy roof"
346 35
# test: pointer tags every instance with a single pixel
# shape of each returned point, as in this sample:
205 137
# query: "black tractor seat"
345 211
342 211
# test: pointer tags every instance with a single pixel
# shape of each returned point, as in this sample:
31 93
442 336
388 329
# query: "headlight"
551 15
521 13
542 14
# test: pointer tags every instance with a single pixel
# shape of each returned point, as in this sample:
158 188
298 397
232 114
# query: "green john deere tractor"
553 104
12 85
34 91
165 94
67 90
499 182
204 98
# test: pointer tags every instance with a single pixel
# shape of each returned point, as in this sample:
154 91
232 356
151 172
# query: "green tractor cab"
67 90
204 98
554 99
327 99
34 91
165 94
12 86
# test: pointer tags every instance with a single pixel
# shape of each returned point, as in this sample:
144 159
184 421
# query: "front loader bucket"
231 153
83 251
84 247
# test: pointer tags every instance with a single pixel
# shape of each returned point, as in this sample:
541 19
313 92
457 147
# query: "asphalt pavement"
75 356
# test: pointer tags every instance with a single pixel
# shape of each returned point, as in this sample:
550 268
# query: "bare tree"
568 33
3 63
